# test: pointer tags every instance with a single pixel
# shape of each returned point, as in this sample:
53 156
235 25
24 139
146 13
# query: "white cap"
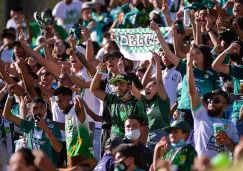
102 2
81 50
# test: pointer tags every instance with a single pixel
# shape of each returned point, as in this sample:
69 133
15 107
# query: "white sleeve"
56 12
200 113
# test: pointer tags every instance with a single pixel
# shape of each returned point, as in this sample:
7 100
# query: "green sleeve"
236 71
111 99
181 67
26 126
141 112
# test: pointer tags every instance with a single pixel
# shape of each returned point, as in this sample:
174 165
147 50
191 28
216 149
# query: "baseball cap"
122 78
75 161
181 124
101 2
114 53
86 5
113 142
216 92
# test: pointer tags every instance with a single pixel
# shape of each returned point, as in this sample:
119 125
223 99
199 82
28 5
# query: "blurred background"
29 7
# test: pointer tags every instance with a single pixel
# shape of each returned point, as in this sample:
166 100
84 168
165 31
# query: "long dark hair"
207 56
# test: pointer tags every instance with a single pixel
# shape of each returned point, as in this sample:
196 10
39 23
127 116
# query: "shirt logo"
174 77
206 76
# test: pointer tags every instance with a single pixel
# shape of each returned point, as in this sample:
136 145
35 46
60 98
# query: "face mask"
120 166
179 144
133 135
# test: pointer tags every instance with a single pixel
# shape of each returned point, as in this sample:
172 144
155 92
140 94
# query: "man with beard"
122 104
208 140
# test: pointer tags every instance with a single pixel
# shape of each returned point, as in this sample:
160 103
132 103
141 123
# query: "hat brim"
168 128
90 161
114 80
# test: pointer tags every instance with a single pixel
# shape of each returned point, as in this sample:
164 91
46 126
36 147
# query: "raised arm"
147 75
29 87
195 101
212 35
177 48
76 80
7 109
90 50
198 37
159 82
174 59
79 109
95 84
96 118
218 62
166 13
54 142
49 65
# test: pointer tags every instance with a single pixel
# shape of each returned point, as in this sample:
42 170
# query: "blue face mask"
179 144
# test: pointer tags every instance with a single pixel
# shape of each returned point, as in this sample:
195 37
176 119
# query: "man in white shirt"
208 140
67 12
16 17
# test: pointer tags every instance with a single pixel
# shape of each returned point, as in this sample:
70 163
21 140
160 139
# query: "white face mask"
133 134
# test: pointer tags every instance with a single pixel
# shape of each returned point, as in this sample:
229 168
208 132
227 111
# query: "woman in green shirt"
157 104
206 79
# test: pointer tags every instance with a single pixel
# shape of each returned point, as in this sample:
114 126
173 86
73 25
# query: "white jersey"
67 15
205 141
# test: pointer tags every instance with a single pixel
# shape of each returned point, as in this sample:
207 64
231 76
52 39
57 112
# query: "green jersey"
158 112
237 73
121 110
77 136
36 31
37 138
182 157
206 81
7 135
130 19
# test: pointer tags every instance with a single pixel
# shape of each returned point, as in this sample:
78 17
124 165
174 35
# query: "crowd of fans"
70 100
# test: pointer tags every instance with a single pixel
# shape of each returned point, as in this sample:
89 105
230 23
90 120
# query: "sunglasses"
215 100
46 73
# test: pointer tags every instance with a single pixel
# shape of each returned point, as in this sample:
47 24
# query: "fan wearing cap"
181 154
235 51
209 141
121 103
86 20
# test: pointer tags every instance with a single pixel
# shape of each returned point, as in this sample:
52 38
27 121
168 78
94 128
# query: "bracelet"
226 51
5 91
10 97
76 51
70 74
157 31
100 72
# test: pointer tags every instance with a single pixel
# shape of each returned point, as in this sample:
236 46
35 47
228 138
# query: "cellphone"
37 117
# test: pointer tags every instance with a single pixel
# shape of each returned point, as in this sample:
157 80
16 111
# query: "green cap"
181 124
122 78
